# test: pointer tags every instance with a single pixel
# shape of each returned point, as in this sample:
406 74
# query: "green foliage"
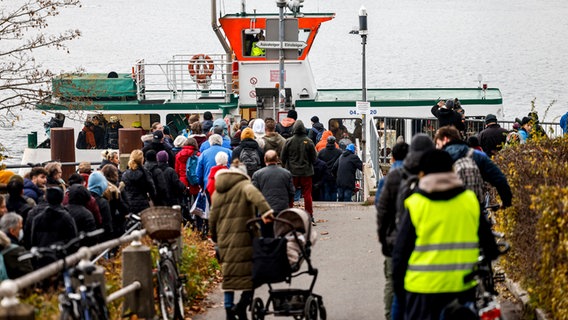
536 223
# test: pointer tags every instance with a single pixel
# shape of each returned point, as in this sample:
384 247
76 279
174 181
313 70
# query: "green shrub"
536 223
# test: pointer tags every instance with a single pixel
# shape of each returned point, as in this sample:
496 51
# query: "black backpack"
250 158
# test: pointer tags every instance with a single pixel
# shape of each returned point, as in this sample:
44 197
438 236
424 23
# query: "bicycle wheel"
167 289
66 314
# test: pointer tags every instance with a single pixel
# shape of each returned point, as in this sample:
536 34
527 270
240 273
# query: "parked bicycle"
86 303
163 224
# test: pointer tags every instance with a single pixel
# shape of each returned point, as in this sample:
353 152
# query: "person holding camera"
446 114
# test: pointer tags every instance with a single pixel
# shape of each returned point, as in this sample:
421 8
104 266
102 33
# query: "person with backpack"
329 155
12 232
249 152
345 168
474 167
285 127
151 164
316 131
398 185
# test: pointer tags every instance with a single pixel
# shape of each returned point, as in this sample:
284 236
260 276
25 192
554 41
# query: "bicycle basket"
161 223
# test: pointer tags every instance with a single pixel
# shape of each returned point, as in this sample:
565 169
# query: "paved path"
348 257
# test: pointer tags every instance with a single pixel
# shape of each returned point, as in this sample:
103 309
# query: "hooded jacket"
138 186
235 201
274 141
345 168
181 162
249 144
299 152
489 171
492 139
323 141
313 133
285 127
97 185
329 154
174 186
78 198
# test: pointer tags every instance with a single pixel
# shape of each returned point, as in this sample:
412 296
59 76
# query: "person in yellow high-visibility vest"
256 51
439 241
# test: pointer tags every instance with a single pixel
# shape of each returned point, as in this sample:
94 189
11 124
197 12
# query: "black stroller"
279 259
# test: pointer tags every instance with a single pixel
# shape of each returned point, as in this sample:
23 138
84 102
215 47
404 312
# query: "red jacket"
211 179
181 160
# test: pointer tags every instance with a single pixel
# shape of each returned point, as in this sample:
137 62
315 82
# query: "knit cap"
293 114
162 156
247 133
350 147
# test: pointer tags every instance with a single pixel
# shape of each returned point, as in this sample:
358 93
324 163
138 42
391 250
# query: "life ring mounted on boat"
201 69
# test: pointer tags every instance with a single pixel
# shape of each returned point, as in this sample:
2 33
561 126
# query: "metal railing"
172 80
10 288
385 131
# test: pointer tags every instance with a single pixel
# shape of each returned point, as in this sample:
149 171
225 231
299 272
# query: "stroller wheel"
311 309
323 312
257 312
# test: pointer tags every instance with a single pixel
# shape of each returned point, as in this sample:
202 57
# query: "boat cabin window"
250 38
350 128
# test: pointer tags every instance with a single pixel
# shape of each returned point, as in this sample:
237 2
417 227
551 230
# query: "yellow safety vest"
447 244
256 51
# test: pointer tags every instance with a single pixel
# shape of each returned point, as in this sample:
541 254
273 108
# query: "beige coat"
235 201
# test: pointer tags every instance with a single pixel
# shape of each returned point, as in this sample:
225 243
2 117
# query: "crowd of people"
430 216
169 171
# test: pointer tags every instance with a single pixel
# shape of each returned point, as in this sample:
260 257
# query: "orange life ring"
201 68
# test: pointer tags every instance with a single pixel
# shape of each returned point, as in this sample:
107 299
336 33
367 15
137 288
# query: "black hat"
207 115
150 155
166 130
293 114
490 118
525 121
158 135
54 195
434 161
315 119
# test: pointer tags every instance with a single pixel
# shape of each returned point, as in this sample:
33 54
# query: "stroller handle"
252 221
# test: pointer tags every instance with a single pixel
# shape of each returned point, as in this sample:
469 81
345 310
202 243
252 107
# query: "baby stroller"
279 259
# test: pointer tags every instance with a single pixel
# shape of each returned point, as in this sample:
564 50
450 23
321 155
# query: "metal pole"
281 91
363 32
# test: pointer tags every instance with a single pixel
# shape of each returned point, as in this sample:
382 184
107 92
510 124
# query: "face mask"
21 235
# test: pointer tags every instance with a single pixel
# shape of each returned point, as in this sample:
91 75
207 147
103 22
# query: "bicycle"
86 304
163 225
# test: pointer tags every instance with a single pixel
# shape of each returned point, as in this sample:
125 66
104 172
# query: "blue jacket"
490 172
564 122
32 191
206 161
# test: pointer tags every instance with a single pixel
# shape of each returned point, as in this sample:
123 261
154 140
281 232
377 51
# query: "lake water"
518 46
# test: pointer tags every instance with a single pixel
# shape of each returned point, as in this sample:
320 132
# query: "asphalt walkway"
348 257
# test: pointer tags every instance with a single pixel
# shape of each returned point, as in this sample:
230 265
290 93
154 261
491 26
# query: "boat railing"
172 81
387 131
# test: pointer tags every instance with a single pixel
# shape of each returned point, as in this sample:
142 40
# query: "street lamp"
363 33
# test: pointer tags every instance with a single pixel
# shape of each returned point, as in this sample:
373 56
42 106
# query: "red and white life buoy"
201 68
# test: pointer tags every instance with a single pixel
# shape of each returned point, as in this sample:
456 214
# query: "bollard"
137 266
129 139
32 140
63 149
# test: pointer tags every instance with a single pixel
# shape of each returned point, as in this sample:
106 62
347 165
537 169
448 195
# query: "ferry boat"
239 83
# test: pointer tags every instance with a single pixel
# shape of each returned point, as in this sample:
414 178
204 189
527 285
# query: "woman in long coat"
138 183
235 201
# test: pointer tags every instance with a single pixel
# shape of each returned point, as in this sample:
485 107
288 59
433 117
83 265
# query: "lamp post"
282 92
363 33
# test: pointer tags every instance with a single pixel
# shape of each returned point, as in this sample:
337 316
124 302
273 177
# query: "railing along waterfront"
384 132
143 282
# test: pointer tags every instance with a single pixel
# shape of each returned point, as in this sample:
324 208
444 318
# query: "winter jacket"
299 152
206 161
78 198
276 186
14 267
211 179
181 163
489 171
285 127
119 208
160 199
32 191
206 125
249 144
159 146
435 187
345 168
315 130
448 117
323 141
138 187
20 205
329 155
206 145
492 139
235 201
174 186
274 141
46 225
564 123
111 135
97 186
